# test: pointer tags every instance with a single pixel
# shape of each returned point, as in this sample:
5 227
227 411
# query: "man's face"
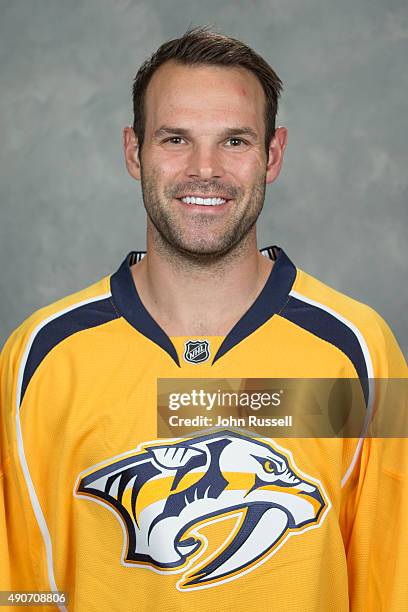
204 137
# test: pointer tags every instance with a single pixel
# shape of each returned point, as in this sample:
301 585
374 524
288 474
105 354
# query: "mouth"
198 202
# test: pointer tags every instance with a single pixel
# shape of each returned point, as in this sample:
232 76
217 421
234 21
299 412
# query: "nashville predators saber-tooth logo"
174 497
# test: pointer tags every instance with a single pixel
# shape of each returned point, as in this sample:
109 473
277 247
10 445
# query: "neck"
196 296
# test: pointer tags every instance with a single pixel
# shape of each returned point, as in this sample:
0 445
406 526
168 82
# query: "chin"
204 251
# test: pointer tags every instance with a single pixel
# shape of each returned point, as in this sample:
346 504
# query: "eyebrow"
232 131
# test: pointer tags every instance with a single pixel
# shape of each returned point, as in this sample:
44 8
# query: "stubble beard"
170 237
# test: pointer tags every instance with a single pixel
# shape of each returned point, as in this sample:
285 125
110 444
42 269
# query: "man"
216 520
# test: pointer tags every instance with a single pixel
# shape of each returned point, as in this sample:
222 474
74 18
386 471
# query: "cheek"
168 160
250 180
155 172
248 169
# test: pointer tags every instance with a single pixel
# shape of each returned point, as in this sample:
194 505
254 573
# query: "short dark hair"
201 45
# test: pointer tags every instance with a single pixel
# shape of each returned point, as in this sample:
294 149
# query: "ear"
131 151
276 151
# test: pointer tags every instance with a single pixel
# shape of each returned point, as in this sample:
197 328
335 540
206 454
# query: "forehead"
217 94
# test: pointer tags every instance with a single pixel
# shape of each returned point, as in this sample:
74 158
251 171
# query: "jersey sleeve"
5 399
374 513
4 549
17 537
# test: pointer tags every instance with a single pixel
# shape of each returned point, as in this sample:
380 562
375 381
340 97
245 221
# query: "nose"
204 162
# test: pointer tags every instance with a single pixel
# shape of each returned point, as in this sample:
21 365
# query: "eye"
270 467
234 138
172 138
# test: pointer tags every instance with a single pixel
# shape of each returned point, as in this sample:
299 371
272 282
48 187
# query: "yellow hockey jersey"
94 503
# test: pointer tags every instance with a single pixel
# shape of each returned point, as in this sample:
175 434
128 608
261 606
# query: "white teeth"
203 201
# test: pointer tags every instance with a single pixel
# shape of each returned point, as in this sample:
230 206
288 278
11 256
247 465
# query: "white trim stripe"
23 461
369 366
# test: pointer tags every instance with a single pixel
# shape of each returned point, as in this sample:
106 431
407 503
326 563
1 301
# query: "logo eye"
269 467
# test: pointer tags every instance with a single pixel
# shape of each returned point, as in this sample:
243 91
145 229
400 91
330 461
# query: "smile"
203 201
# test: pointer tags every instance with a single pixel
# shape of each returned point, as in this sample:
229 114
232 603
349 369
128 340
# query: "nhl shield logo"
196 351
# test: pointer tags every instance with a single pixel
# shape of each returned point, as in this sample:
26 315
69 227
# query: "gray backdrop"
69 211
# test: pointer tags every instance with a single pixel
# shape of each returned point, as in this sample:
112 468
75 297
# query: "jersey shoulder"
36 336
63 315
364 322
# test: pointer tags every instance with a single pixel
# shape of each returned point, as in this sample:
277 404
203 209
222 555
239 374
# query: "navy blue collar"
270 301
